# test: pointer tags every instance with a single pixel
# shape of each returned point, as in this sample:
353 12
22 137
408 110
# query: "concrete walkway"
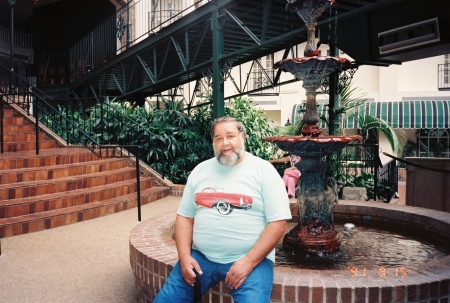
401 198
86 262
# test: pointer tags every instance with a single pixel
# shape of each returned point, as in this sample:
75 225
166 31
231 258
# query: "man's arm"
242 268
183 238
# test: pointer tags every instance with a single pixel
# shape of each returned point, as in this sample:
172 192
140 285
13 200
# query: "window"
171 10
447 70
163 13
262 72
434 143
202 88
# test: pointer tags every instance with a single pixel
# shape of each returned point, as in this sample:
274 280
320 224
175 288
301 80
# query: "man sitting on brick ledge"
232 214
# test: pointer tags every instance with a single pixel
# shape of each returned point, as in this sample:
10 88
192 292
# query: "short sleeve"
187 206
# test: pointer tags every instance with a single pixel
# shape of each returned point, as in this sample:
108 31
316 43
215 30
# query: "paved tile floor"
401 200
86 262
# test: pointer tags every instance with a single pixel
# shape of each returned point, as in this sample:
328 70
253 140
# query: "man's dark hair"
240 126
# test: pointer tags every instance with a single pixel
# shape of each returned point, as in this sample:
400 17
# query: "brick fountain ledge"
153 255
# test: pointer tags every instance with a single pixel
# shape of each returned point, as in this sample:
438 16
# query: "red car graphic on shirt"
224 202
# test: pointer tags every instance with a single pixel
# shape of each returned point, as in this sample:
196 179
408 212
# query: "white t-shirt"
225 236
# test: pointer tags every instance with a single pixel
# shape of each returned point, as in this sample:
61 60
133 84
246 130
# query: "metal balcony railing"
20 39
134 22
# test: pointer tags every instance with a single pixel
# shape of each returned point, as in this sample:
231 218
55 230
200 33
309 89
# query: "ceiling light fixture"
35 1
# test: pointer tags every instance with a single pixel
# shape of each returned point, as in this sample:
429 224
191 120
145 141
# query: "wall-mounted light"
287 123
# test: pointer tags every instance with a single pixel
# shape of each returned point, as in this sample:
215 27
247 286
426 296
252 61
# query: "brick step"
30 205
23 136
28 174
61 185
14 120
23 146
11 128
46 157
59 217
8 113
36 188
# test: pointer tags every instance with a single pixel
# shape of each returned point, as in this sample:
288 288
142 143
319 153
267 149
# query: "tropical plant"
184 141
256 124
395 137
351 100
172 140
293 129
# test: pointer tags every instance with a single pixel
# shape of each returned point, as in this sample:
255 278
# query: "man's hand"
187 265
238 272
242 268
183 240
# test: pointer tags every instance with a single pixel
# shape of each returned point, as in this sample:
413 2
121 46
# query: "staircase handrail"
104 115
37 104
41 105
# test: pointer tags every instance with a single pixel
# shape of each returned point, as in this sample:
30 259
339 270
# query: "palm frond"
396 138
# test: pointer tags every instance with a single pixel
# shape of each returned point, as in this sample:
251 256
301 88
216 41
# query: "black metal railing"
357 165
21 39
444 76
388 181
13 88
16 90
106 124
52 68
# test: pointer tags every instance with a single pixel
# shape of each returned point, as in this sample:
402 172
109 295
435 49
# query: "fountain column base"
311 239
317 194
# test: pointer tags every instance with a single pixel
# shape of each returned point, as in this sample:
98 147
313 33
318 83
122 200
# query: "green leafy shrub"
257 125
172 140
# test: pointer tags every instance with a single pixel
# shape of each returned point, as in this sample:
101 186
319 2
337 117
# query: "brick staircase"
62 185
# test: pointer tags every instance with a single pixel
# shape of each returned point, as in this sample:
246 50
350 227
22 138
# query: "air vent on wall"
409 36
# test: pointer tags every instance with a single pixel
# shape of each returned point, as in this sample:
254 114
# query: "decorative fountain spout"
316 193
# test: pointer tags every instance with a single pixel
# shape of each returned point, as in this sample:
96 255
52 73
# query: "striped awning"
398 114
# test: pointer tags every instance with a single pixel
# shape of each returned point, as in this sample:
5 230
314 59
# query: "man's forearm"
183 235
242 268
267 241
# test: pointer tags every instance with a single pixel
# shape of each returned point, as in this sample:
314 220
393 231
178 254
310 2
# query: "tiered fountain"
316 193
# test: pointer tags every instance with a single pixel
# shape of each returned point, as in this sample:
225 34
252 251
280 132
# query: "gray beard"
230 160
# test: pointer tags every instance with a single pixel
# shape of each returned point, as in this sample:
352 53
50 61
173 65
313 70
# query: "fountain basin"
312 69
153 255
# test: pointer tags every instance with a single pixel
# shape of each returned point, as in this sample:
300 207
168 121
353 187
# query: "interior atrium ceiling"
250 29
376 32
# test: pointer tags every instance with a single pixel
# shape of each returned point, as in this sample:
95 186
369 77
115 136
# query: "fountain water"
317 194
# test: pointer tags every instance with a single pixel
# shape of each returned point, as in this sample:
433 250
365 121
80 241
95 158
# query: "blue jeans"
256 288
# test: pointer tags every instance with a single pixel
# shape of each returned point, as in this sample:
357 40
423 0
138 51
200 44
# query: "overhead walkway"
222 34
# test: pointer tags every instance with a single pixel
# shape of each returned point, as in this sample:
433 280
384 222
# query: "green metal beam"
217 51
